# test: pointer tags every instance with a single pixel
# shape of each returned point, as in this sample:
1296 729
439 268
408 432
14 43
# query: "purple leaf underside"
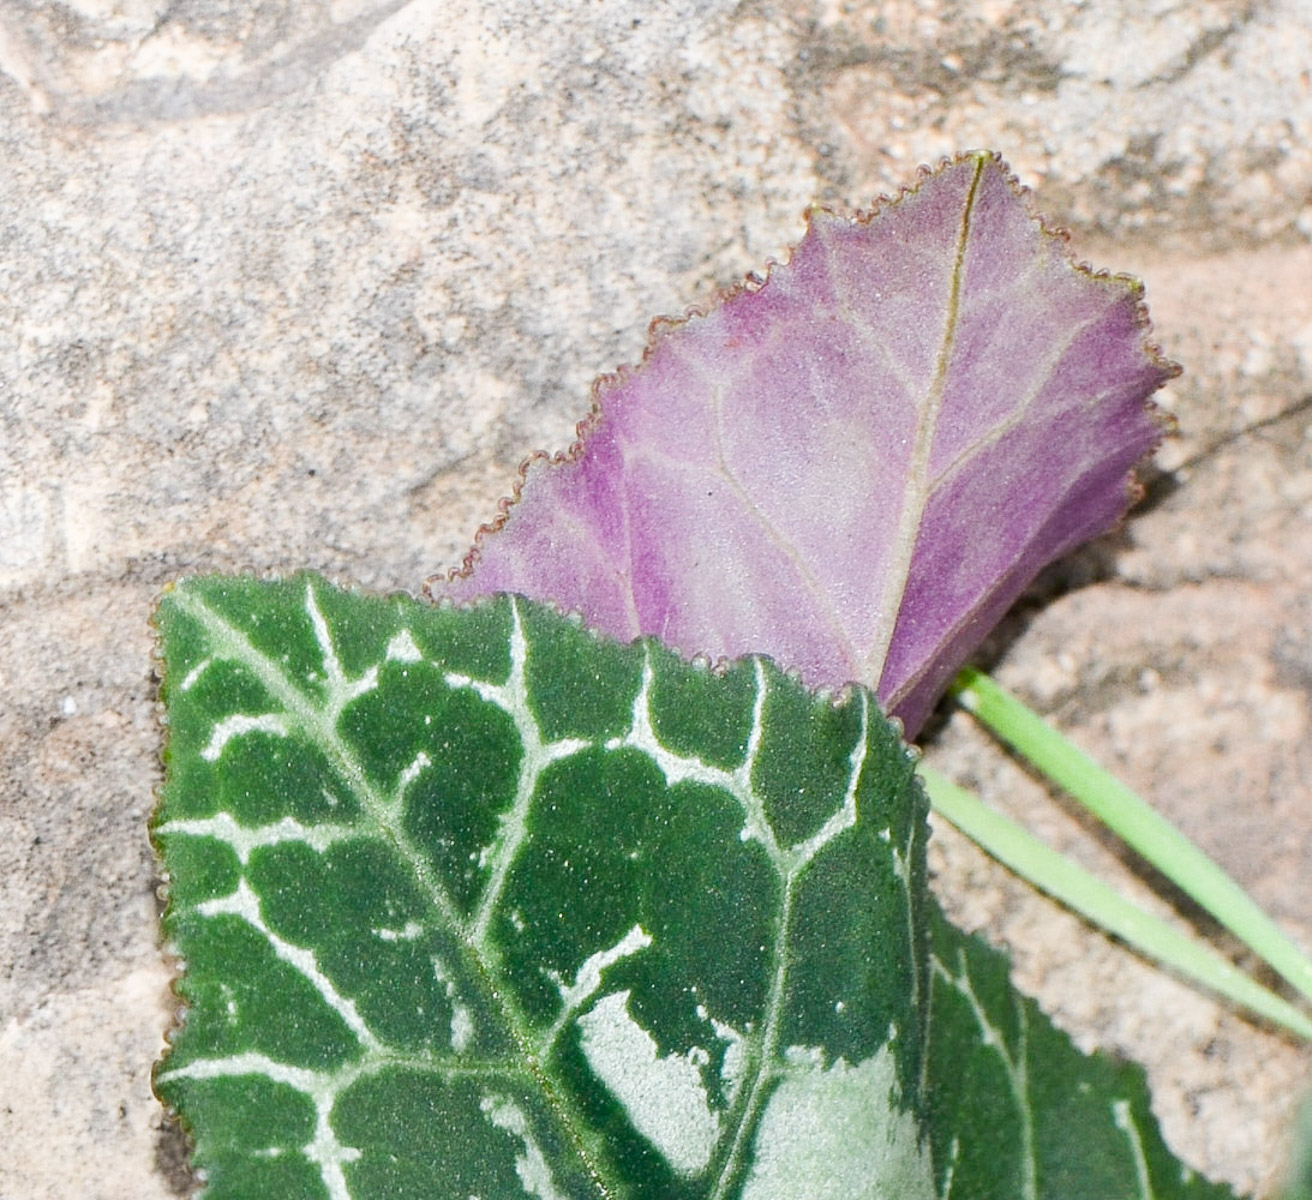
858 464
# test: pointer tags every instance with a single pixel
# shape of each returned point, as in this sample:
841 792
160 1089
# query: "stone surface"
299 285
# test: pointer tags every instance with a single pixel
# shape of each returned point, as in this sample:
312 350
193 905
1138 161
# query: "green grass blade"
1131 819
1077 889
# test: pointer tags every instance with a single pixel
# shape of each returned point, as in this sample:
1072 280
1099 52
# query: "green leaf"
476 904
1017 1112
473 903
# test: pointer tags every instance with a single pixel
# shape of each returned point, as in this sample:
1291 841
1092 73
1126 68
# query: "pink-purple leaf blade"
857 466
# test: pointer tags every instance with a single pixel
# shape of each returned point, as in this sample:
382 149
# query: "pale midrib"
1123 1119
311 720
1017 1069
790 864
914 678
764 1076
629 596
239 648
915 495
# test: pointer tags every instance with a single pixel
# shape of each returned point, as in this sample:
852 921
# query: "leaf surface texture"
857 465
478 903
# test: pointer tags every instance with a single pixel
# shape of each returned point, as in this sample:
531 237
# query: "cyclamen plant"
479 900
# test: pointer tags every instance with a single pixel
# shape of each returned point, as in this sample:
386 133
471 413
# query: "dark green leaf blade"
461 918
1018 1112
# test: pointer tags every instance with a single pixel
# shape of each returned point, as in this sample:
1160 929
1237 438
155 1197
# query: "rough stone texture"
298 285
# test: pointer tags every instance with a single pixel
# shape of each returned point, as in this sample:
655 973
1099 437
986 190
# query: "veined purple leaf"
856 465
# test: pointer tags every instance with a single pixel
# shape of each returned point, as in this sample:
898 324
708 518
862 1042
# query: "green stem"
1140 826
1077 889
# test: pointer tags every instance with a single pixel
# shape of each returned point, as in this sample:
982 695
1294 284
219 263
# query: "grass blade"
1134 821
1073 886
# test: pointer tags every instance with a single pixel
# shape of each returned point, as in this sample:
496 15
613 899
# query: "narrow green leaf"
1130 818
1070 884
